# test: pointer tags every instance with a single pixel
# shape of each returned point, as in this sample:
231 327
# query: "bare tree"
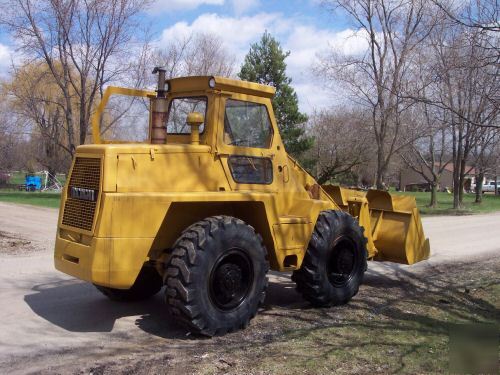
339 144
466 89
480 14
378 78
486 157
83 44
429 156
197 54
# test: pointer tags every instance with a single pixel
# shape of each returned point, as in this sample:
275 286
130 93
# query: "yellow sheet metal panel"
125 215
391 237
126 258
106 261
86 262
192 170
397 228
244 87
416 241
383 200
292 236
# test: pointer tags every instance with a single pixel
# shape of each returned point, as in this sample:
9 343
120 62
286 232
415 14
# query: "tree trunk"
456 187
456 182
380 172
479 187
433 202
461 180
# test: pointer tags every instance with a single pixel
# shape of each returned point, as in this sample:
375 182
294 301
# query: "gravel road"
50 322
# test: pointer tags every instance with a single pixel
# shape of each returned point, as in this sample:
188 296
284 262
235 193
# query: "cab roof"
196 83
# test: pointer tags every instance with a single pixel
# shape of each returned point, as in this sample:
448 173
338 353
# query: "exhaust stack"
159 110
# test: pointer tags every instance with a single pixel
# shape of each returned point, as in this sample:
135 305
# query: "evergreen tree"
265 63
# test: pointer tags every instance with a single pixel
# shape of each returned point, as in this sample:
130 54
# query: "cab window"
247 124
178 110
251 170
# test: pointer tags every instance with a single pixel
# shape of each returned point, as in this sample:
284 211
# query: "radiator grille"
86 174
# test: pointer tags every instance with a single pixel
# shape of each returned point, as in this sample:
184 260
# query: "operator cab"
243 108
231 118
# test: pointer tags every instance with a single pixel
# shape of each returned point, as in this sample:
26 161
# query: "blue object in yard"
33 182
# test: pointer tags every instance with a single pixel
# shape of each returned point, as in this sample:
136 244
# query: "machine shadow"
78 307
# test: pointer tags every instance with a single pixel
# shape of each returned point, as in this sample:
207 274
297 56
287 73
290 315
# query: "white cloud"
305 43
243 6
237 33
163 6
6 55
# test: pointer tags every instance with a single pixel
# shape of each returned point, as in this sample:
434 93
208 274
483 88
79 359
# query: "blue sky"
305 28
163 14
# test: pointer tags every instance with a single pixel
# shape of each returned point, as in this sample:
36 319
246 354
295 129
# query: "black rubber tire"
197 256
147 284
336 233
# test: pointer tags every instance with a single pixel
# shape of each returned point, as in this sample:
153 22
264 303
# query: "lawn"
45 199
490 203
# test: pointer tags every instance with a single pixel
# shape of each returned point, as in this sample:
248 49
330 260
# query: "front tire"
216 276
335 261
147 284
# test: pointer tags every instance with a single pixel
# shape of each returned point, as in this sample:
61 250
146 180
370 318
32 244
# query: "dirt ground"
399 322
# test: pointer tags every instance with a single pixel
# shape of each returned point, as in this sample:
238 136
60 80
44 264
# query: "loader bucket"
392 224
397 228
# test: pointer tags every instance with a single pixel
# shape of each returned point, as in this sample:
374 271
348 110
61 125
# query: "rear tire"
335 261
216 276
147 284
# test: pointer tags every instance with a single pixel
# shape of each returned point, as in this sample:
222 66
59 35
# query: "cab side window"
247 124
178 111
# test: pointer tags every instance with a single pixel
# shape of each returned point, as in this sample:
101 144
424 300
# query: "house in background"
409 180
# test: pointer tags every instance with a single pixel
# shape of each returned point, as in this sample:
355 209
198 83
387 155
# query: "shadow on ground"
391 298
78 307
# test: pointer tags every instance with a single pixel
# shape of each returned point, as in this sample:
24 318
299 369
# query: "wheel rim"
231 279
342 264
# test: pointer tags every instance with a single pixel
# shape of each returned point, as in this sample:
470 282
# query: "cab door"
247 144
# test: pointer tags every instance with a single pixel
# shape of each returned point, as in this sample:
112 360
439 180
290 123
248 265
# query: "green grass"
44 199
490 203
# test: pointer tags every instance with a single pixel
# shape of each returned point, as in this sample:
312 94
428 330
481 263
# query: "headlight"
211 83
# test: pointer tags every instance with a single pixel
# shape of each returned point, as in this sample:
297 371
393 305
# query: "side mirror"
194 120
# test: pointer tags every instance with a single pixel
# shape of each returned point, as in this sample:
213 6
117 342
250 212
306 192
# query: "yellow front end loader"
210 201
